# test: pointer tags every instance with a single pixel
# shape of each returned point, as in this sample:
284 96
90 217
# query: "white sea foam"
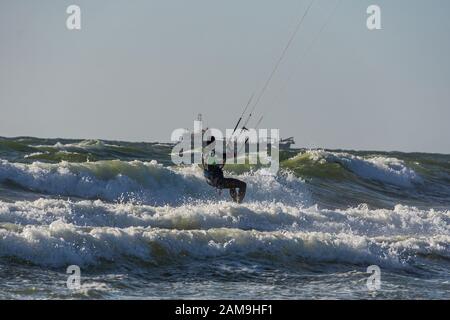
150 182
34 154
178 216
385 169
261 216
58 232
60 243
85 145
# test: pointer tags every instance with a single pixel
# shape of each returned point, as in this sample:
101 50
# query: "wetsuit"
214 176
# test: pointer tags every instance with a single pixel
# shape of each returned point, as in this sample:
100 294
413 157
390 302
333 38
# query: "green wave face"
336 176
61 156
8 145
304 165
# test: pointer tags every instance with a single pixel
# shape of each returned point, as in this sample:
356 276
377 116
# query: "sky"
139 69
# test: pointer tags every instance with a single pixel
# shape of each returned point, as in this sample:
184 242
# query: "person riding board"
213 173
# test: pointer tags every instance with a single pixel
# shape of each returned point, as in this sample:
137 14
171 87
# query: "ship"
285 144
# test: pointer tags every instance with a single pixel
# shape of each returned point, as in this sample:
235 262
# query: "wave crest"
57 232
379 168
149 182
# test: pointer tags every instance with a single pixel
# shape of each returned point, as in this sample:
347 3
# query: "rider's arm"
224 160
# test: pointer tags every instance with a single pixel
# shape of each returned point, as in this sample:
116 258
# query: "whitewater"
140 227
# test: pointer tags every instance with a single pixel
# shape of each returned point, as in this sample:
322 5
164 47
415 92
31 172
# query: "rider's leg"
233 194
230 183
242 190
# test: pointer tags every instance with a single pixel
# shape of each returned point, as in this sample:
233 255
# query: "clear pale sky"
139 69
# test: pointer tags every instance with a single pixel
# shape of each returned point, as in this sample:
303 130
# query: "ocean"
139 227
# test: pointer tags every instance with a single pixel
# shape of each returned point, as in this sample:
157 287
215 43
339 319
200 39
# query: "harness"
212 171
213 175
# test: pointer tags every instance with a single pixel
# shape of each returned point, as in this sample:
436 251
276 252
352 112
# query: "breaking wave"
101 203
148 182
59 232
379 168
